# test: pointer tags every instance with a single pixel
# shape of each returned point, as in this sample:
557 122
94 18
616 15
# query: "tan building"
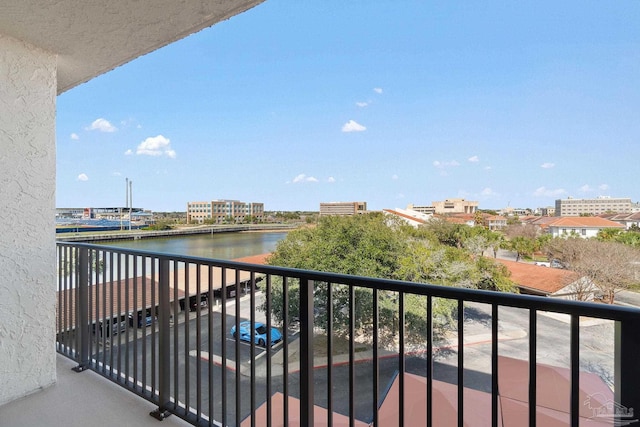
548 211
220 210
343 208
597 206
429 210
455 206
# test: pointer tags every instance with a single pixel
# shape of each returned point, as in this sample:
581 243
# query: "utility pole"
126 197
130 202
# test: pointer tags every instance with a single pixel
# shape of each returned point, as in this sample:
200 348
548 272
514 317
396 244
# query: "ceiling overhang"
91 37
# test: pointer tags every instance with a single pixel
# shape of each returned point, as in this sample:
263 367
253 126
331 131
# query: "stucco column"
27 212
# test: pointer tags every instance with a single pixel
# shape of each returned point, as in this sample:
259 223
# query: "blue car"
259 333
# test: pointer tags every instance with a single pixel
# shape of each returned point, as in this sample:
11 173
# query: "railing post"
82 309
164 342
306 353
627 369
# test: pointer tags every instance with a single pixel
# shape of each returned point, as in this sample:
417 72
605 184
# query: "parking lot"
597 341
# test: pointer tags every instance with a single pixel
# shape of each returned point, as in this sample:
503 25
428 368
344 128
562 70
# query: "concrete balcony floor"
82 399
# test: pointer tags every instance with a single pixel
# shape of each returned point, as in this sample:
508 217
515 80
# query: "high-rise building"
597 206
343 208
221 210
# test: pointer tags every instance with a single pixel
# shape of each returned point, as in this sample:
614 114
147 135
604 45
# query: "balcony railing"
353 349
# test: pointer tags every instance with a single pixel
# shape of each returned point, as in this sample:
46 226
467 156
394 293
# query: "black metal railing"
159 325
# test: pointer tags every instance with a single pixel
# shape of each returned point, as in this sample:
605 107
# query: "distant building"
548 211
455 206
495 222
113 213
627 220
584 227
221 210
509 211
550 282
597 206
428 210
411 217
343 208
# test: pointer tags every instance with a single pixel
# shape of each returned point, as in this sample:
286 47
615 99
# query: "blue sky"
389 102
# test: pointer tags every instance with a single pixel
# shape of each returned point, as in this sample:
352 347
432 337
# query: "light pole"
130 202
126 196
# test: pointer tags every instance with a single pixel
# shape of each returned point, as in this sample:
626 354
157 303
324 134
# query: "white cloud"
102 125
441 165
488 192
547 165
352 126
331 179
603 187
304 178
487 168
547 192
394 177
75 136
586 189
362 103
156 146
83 177
474 159
116 173
377 89
128 152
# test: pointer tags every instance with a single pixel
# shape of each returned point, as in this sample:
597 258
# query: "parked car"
259 333
148 319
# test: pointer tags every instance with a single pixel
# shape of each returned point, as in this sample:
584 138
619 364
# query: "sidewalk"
367 355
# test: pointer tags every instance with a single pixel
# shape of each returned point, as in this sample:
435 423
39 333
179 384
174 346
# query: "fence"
351 353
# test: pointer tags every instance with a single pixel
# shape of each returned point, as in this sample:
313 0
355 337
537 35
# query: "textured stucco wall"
27 210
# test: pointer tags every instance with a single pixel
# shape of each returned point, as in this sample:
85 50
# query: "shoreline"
88 237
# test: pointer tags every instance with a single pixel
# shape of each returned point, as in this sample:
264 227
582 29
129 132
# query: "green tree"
495 241
522 246
448 233
376 246
609 234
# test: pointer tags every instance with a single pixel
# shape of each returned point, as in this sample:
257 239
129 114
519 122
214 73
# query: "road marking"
217 360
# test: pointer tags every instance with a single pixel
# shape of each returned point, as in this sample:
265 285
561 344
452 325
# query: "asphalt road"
191 379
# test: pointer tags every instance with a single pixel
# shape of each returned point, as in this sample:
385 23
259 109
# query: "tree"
358 245
522 246
371 245
448 233
477 245
529 231
522 239
495 241
479 219
611 266
609 234
630 237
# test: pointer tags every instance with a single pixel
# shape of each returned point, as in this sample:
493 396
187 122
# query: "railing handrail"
539 303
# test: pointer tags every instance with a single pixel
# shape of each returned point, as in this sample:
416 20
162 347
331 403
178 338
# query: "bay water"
225 246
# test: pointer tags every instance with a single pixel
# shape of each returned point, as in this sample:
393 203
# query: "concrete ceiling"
92 37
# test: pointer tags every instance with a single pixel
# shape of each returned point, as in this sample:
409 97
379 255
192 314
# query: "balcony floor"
82 399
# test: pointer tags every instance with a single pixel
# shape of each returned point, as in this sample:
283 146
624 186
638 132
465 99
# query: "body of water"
218 245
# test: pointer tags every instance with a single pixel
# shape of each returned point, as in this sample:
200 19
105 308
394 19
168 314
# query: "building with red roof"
582 226
538 280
